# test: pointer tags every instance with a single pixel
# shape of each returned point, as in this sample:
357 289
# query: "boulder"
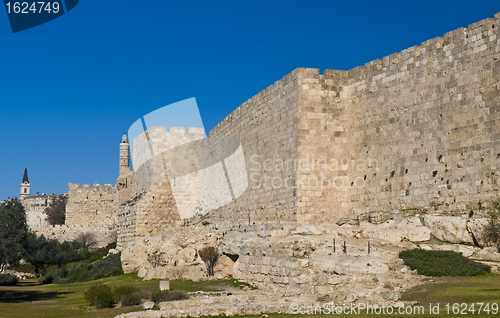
466 250
489 254
148 305
452 229
308 229
136 253
477 228
395 231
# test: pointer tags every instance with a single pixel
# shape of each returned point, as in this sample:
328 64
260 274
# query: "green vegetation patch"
83 272
442 263
8 280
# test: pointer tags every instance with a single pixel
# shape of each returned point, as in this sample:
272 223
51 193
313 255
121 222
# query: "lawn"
29 299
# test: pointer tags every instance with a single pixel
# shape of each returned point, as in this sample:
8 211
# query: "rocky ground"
353 261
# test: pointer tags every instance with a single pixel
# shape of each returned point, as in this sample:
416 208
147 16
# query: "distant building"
35 204
25 186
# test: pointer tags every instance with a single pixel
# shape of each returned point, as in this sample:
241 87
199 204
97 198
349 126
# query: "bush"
442 263
492 229
84 272
100 296
47 279
8 280
122 291
209 255
131 300
165 295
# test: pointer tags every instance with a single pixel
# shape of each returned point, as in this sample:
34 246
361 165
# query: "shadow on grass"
28 296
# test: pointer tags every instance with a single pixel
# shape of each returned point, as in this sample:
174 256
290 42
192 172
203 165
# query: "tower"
124 156
124 181
25 186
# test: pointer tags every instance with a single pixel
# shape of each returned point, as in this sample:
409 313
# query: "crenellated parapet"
92 204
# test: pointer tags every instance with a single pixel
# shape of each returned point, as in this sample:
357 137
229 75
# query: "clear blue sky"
70 88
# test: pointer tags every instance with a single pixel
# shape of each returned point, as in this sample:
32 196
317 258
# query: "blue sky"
70 88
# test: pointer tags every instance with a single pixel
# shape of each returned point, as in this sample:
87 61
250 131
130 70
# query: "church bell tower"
25 186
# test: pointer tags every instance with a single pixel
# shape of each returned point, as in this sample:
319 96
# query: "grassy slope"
67 300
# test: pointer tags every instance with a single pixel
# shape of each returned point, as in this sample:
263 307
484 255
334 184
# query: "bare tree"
154 259
87 240
209 255
56 211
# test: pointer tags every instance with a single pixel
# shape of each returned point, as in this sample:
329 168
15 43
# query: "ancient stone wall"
429 117
415 130
322 187
267 127
92 205
102 234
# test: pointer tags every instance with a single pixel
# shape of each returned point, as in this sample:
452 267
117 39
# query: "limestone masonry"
345 169
418 129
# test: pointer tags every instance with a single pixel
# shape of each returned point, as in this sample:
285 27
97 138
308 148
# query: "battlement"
160 139
88 186
457 44
177 130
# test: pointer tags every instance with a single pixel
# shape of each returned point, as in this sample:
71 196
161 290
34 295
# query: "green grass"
442 263
29 299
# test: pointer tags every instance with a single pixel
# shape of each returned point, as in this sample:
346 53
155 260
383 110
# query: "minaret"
25 186
124 156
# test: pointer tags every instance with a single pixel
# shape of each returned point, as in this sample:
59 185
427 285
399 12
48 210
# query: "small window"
25 190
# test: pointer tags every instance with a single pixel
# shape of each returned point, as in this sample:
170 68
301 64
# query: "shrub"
165 295
100 296
8 280
122 291
209 255
442 263
84 272
47 279
144 294
492 229
87 240
131 300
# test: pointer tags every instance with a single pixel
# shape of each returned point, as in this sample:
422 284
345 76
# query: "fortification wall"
416 129
35 216
103 234
322 187
267 126
429 116
92 205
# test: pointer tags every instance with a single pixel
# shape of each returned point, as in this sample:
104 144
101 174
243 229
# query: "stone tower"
25 186
124 181
124 156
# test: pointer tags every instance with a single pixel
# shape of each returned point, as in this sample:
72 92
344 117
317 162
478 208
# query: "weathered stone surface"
350 265
466 250
477 228
448 228
148 305
308 229
488 254
395 231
